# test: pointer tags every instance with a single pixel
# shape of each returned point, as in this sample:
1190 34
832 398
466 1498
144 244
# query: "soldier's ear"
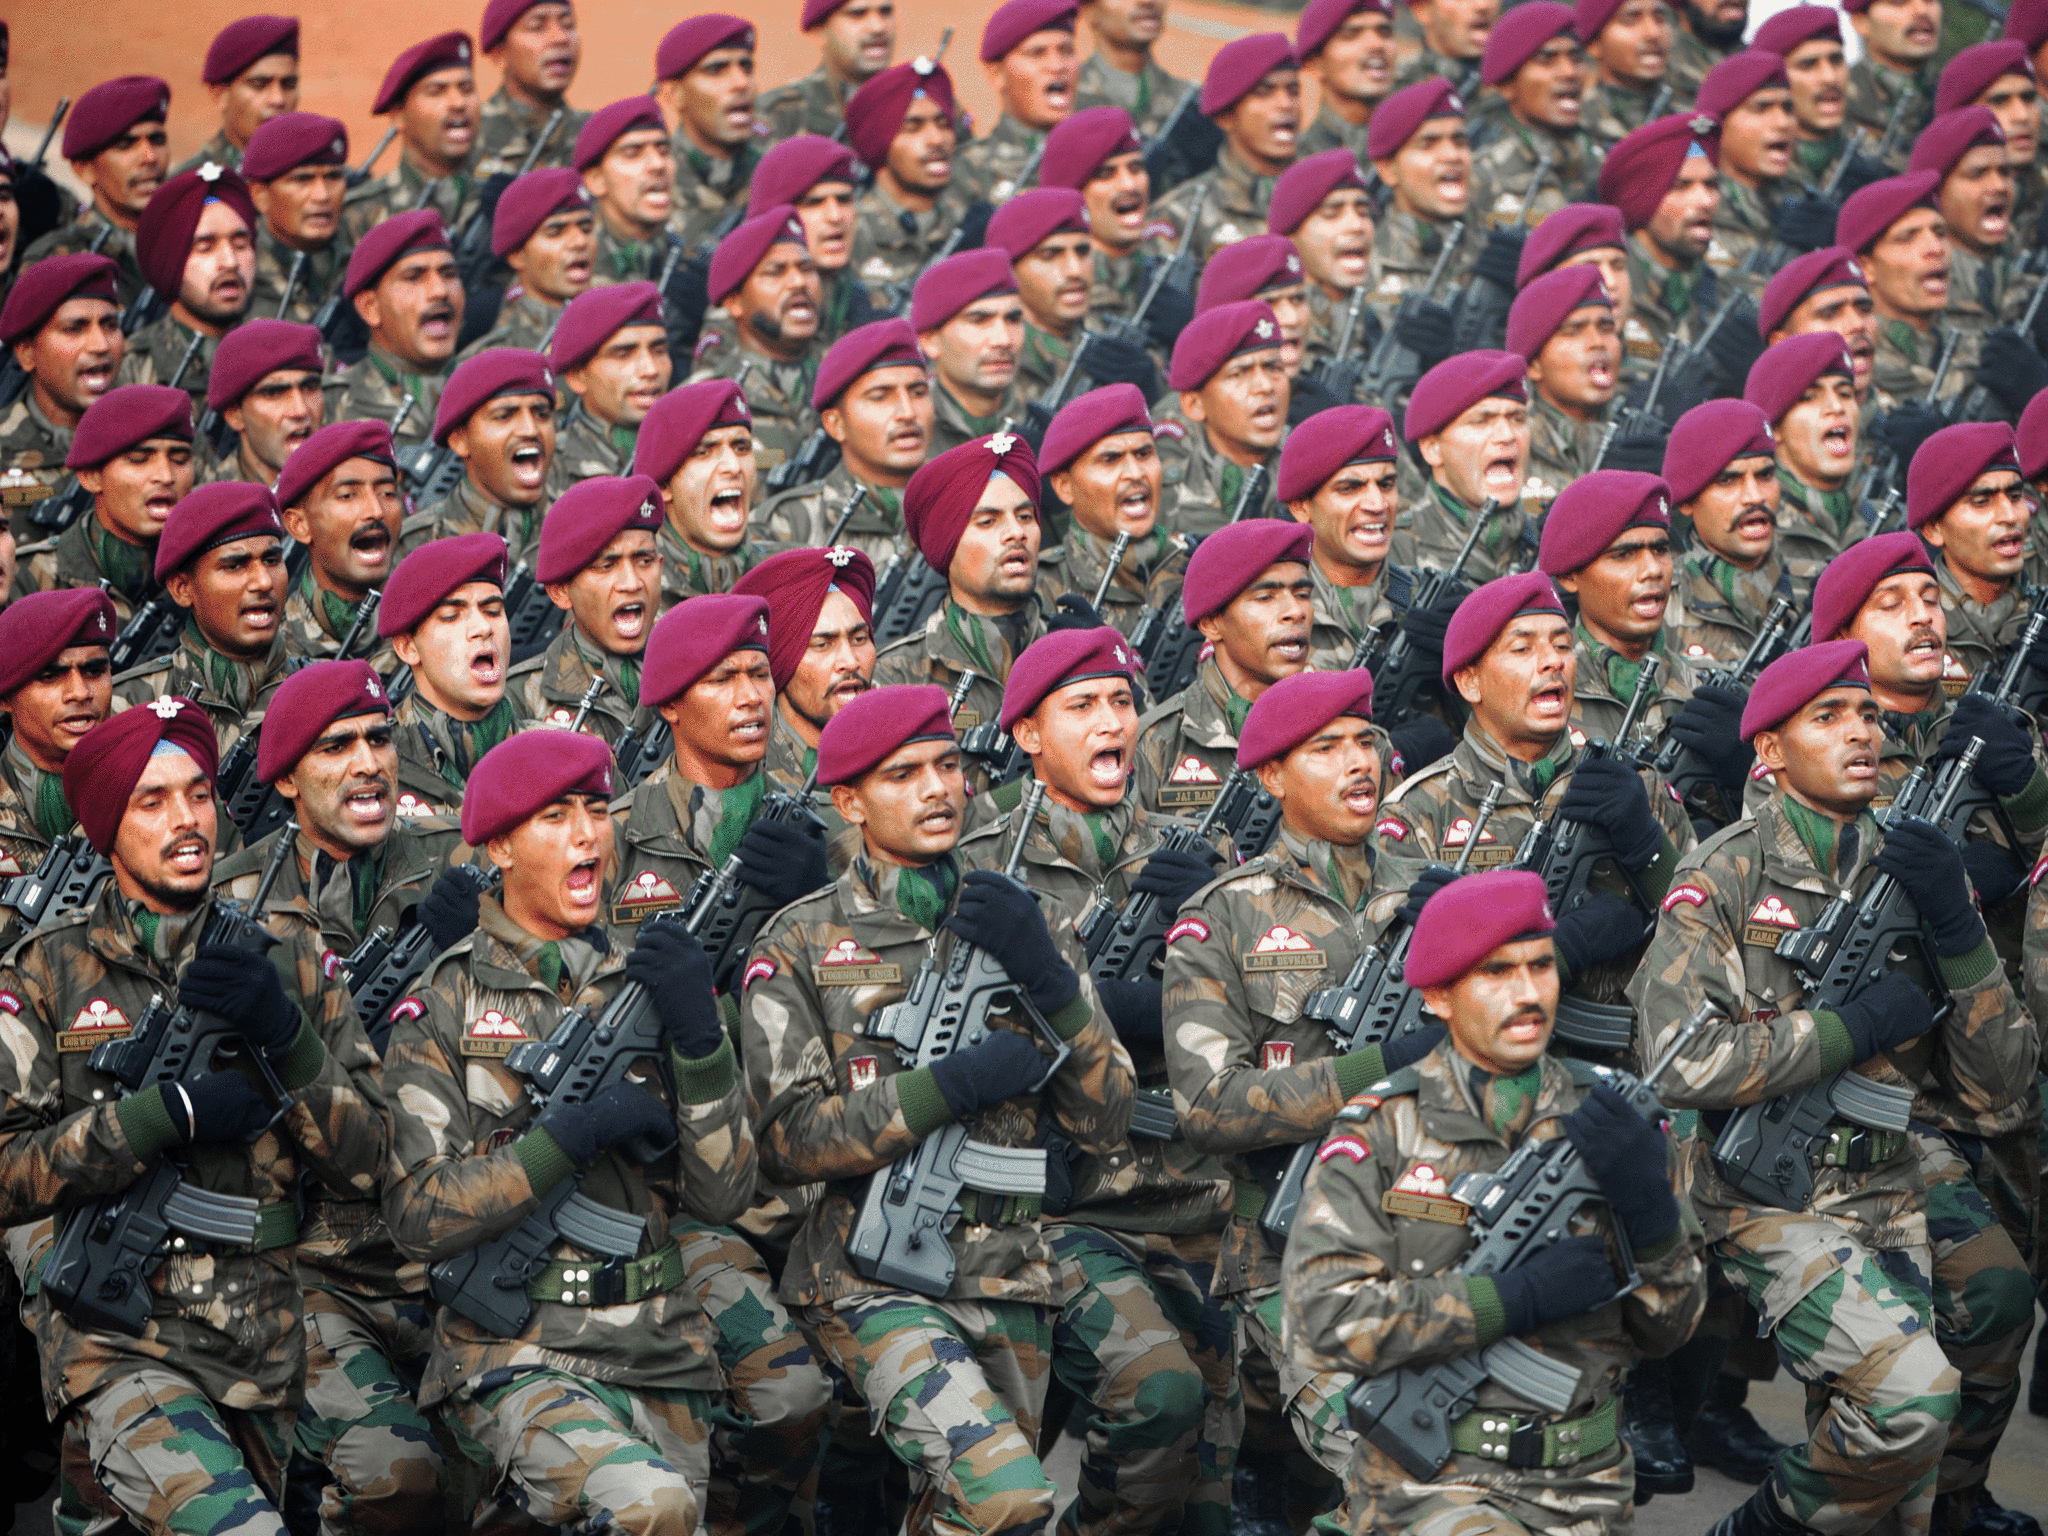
180 587
1191 405
1466 680
1770 750
500 851
847 803
833 420
367 307
558 594
296 523
1272 780
1026 734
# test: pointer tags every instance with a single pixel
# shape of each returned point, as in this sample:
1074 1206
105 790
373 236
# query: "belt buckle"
1525 1444
608 1284
1857 1148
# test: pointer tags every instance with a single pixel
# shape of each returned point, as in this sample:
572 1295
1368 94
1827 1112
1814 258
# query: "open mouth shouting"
1059 93
1501 478
437 321
1994 220
1525 1028
1859 765
529 465
1838 446
74 723
486 667
370 545
1134 506
749 726
1924 655
1755 528
187 855
629 619
1934 283
1360 795
725 515
1108 769
367 805
1289 647
258 616
1128 209
156 506
1368 534
581 886
227 292
1648 605
1550 703
1352 259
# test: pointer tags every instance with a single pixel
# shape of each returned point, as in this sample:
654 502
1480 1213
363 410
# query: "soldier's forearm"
1246 1108
448 1205
818 1136
52 1168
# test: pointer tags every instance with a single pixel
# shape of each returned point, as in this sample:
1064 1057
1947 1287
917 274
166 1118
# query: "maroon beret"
1786 371
241 43
530 202
1642 167
125 416
1595 510
878 344
1456 384
608 124
525 774
1943 142
1482 616
1239 65
1710 437
1235 556
1738 77
1303 185
1848 580
748 246
1545 304
596 315
1870 211
695 636
794 585
1217 335
1798 25
787 172
1296 708
1065 656
308 702
875 112
2032 437
449 50
874 726
1246 268
1799 677
1520 34
1590 17
425 578
1947 462
678 422
292 139
815 12
588 516
379 250
1344 434
1032 217
1977 68
213 515
684 45
163 235
1396 120
484 377
942 291
108 762
1320 20
1087 419
1018 19
1832 266
36 628
1080 142
45 286
1470 918
2027 20
1574 228
498 18
941 497
110 109
255 348
327 450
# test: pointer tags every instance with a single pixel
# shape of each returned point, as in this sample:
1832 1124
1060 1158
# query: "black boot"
1990 1518
1647 1424
1759 1515
1258 1498
1727 1438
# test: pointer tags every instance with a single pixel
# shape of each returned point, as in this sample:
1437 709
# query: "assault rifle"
1248 814
723 910
1167 643
638 754
106 1250
428 471
1176 271
1526 1206
1184 147
359 174
474 258
383 967
254 806
1682 767
910 1208
1382 359
583 1057
1895 124
1127 943
149 633
68 879
1400 675
813 460
907 592
61 508
530 614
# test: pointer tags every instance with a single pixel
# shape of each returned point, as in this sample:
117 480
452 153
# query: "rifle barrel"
1116 558
1486 809
362 172
853 502
50 133
1026 814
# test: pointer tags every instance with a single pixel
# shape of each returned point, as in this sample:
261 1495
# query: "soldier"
1900 39
815 176
1469 419
611 353
196 245
874 399
297 171
704 80
857 39
1583 235
545 230
628 168
821 650
1749 94
1100 460
497 415
1348 45
1809 39
1825 290
970 327
340 500
1901 244
197 1385
1483 956
264 387
2001 76
1419 150
1968 502
1667 195
1234 393
1721 464
1535 61
633 1394
1097 152
1563 325
1339 479
132 454
537 47
1629 44
1122 72
1267 268
1806 388
430 95
1045 234
115 143
252 72
61 323
1706 34
901 124
1027 52
1323 206
763 277
1252 91
697 444
56 687
404 284
443 611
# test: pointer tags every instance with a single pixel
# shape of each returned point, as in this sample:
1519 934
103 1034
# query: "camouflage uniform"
155 354
1329 131
84 555
1904 366
1209 487
34 446
778 394
551 685
620 260
436 752
991 168
1426 62
33 811
816 103
1343 615
688 572
1561 448
1434 525
469 509
505 130
1718 609
1610 114
892 244
1148 576
79 235
1234 201
234 693
586 447
1664 306
1149 96
710 188
671 832
1743 231
320 276
1187 746
220 149
1405 253
1367 1291
523 320
1814 526
376 387
955 641
1874 95
1607 681
316 622
1504 169
953 424
1979 634
1691 59
404 188
801 516
1983 294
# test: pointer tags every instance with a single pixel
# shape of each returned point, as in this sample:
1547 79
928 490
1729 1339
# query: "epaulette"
1437 769
1393 1086
1162 709
150 668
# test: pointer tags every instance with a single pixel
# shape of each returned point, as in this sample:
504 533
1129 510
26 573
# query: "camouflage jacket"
621 260
664 831
800 517
79 235
778 394
1664 306
835 1105
1187 746
1234 200
1599 702
814 103
1344 614
991 168
316 622
79 556
1148 576
220 149
1984 293
468 509
1611 113
1329 131
956 641
1743 231
1904 365
457 1113
505 129
1436 525
1691 59
550 686
1874 95
892 244
1813 527
234 693
435 754
33 445
708 188
1150 96
953 424
320 275
586 447
1405 253
1426 62
688 572
156 353
1503 170
1718 608
404 188
1561 448
375 388
523 319
1979 634
1209 487
229 1318
24 838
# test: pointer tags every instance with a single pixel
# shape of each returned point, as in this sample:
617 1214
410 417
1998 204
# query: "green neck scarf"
990 642
469 741
1822 836
1507 1104
130 568
886 501
925 891
737 808
1543 772
53 813
1462 515
337 615
1235 707
365 876
147 924
547 960
1622 674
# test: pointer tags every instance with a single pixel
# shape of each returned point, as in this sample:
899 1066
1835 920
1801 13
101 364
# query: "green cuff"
2029 808
924 1108
146 1122
1663 869
1652 1252
1961 971
1837 1045
303 1058
1489 1317
705 1079
1072 1019
1360 1069
545 1162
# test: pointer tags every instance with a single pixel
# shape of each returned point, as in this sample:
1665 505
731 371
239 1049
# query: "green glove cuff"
1358 1070
146 1122
303 1058
1658 877
924 1107
1967 970
1650 1253
2029 808
1837 1045
1489 1317
1070 1020
705 1079
545 1162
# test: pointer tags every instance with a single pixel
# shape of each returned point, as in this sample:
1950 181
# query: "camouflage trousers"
1474 1496
1139 1340
1857 1326
586 1454
361 1420
1313 1401
770 1429
954 1389
152 1450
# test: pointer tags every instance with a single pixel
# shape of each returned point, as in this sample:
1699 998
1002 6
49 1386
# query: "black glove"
618 1113
1001 1067
1608 793
1605 928
669 962
1500 259
1807 222
241 986
1434 877
1905 428
1861 172
1134 1008
449 912
1425 627
2010 368
1427 331
998 915
1886 1014
1920 857
1172 309
1309 395
225 1106
1642 452
685 300
2005 765
1174 874
1072 611
1710 722
1109 360
1411 1047
1734 349
1421 741
1627 1156
974 225
1563 1280
1992 874
784 859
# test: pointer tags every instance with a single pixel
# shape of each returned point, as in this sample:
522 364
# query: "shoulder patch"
1692 895
1394 827
1194 928
492 1033
757 970
2035 877
1172 429
406 1008
1349 1146
98 1020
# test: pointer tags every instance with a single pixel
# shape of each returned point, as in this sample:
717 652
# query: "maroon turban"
108 762
163 235
875 112
794 585
941 497
1642 167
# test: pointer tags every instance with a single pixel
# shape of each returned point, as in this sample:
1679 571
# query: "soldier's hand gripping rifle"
1168 644
1338 377
1127 943
1374 383
427 472
98 1271
1682 767
1401 675
67 879
582 1058
1527 1206
723 910
899 1237
384 967
149 633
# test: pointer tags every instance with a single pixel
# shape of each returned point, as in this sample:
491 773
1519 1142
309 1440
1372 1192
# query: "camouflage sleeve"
338 1117
1671 816
2034 952
1989 1045
1401 845
717 1164
1093 1093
